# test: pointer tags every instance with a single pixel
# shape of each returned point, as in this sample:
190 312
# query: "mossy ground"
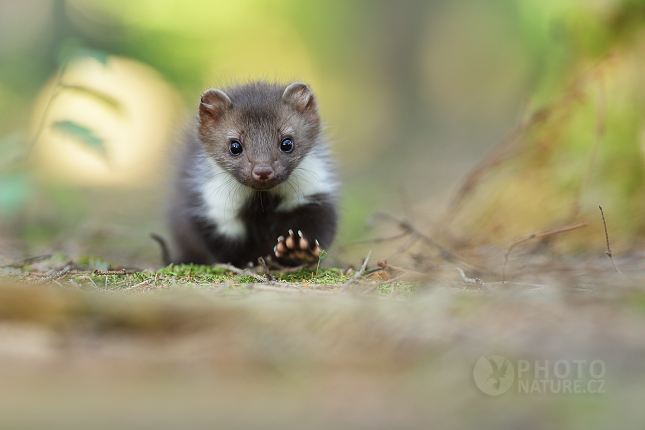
82 275
201 347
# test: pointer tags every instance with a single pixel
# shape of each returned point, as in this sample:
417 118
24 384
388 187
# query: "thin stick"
263 264
146 282
240 271
54 276
265 269
508 146
601 126
121 272
446 254
357 275
608 252
407 245
388 267
467 280
27 261
534 235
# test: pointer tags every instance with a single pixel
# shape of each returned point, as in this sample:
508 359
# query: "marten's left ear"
300 96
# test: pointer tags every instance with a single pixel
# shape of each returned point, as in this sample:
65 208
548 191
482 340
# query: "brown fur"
239 114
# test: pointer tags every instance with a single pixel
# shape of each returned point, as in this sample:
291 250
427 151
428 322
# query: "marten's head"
259 132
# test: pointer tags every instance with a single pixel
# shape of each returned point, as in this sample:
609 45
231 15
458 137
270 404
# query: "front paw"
297 247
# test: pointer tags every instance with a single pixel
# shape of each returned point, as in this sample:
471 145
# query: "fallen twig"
357 275
140 284
389 281
407 245
534 235
265 269
53 276
601 125
467 280
386 266
98 272
608 252
509 144
446 253
27 261
238 271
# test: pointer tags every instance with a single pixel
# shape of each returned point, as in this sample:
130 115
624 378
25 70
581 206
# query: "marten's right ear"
213 104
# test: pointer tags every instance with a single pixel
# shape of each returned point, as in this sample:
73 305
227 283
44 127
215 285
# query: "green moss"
189 276
213 274
192 270
324 276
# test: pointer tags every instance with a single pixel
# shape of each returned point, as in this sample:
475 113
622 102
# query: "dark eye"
235 148
286 145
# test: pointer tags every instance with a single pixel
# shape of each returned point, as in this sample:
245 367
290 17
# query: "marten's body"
255 179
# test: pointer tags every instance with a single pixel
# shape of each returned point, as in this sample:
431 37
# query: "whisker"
304 178
233 188
218 190
211 177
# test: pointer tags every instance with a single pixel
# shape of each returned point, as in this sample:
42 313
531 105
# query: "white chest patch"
224 197
312 176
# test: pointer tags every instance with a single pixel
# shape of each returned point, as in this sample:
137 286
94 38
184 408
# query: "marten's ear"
300 96
213 104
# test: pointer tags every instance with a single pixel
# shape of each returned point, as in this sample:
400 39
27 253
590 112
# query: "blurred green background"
93 95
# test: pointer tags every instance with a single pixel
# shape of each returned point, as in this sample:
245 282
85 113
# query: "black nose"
262 173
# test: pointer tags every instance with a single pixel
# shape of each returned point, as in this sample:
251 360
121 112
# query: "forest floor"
199 347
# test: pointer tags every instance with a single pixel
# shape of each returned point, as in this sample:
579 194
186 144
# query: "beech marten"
255 179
